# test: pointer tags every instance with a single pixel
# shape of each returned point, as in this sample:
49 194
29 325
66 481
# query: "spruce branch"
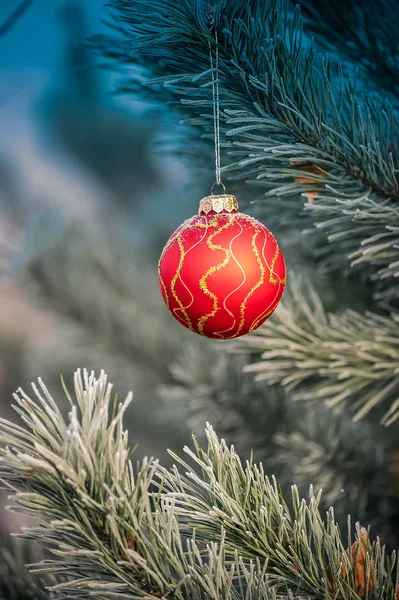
342 359
120 532
285 112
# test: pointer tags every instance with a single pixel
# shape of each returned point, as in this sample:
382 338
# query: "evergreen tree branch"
16 582
364 34
118 531
297 441
209 386
256 518
343 359
97 511
289 124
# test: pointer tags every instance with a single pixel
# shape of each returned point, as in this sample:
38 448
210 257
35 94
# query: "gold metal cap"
218 204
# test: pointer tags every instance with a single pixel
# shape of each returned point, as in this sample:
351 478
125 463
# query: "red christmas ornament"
221 273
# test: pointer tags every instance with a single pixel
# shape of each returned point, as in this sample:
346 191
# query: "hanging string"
216 107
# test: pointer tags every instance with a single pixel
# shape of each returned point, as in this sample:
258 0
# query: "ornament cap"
218 203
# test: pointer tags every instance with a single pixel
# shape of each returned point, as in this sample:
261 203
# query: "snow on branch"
209 528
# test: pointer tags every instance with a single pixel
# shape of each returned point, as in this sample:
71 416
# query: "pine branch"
364 34
297 441
286 117
97 511
118 532
342 359
209 386
16 583
300 547
351 462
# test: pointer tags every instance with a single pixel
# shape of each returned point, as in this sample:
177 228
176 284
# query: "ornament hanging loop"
218 183
216 107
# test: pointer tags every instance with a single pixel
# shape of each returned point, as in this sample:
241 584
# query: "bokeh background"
90 190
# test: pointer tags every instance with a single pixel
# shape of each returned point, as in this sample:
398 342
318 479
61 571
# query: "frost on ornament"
221 273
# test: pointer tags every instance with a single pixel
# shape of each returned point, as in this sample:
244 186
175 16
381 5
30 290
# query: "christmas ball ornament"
221 273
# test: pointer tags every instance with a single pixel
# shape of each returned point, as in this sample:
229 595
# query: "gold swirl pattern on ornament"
258 284
211 270
173 283
186 225
184 308
177 237
163 286
270 308
263 316
281 282
219 333
173 238
275 279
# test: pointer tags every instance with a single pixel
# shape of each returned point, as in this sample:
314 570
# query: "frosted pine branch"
297 441
342 359
16 582
97 511
121 532
291 121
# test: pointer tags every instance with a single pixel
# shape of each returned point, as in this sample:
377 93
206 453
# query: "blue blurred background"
92 184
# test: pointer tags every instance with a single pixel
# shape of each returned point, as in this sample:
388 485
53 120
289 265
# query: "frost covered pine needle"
209 528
